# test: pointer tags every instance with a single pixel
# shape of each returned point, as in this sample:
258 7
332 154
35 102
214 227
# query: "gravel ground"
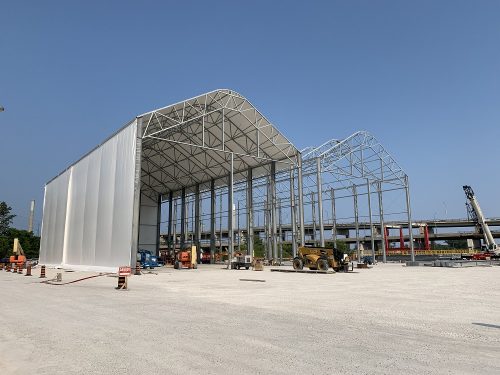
389 319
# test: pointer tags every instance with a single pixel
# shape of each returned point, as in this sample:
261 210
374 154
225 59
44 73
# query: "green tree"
29 242
5 217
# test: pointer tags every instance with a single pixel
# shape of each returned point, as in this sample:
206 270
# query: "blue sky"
422 76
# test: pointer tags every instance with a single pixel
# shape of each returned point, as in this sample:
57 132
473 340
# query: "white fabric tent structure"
100 210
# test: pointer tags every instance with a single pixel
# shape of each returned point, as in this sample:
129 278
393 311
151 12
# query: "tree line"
29 242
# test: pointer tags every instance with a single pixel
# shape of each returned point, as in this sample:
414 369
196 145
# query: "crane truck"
492 250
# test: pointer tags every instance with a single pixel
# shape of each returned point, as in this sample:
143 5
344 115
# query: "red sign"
124 271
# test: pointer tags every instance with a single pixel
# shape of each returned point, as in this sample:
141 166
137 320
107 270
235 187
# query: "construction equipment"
18 256
239 260
147 259
474 210
205 257
320 258
186 259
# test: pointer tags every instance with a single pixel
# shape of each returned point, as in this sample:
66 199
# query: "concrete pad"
391 319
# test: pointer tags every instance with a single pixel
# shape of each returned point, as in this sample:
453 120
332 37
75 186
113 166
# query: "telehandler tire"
322 265
298 264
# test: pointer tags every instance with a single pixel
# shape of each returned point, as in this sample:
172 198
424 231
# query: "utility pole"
32 215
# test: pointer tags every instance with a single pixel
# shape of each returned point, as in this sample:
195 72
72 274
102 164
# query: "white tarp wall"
89 209
54 219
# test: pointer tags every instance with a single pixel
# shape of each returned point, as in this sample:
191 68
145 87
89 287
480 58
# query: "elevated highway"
439 230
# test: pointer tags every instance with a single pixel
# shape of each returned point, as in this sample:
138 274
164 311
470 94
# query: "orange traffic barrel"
42 272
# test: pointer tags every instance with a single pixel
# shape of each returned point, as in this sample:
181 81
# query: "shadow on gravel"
486 325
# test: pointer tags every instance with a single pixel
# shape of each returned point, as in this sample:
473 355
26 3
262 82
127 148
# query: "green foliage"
258 247
5 218
341 245
29 243
457 244
287 250
450 245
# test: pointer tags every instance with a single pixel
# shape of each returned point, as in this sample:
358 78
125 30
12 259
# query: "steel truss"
226 176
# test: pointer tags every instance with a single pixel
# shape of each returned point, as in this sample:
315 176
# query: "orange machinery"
186 259
19 258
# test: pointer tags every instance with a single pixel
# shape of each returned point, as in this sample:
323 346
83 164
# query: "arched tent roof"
190 142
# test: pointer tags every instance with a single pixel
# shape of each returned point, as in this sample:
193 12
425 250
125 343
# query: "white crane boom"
488 237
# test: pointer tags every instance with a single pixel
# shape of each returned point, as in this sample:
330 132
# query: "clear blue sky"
422 76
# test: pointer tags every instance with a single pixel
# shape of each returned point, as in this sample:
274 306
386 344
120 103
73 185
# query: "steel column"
274 233
313 213
382 226
292 212
238 230
320 203
334 219
408 210
183 218
212 221
370 217
170 218
197 227
301 201
356 220
249 213
174 230
158 228
280 232
230 214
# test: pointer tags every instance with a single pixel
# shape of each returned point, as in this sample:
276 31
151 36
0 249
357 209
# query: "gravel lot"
390 319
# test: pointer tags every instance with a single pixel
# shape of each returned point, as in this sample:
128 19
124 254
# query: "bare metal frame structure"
223 171
206 144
